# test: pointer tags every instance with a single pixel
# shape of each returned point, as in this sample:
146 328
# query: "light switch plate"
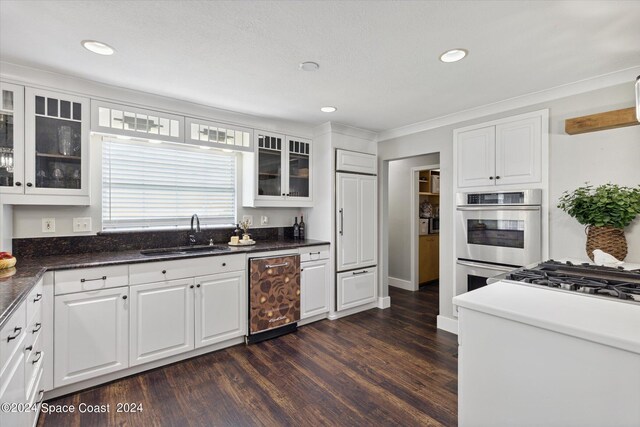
82 225
48 225
264 220
248 218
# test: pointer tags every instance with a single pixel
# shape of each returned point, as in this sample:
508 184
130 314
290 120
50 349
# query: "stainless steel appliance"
585 279
274 296
496 232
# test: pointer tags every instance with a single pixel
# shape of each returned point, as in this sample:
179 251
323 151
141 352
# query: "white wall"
599 157
400 215
27 220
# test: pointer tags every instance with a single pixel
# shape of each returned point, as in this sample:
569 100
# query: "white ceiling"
378 60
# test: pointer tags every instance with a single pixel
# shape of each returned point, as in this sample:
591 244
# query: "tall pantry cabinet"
356 229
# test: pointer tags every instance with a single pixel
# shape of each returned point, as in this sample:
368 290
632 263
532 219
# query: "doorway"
426 214
413 183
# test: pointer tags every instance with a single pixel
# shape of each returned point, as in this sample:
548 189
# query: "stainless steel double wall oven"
496 232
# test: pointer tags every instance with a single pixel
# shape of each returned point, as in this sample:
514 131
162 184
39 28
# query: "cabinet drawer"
314 253
36 397
11 336
356 288
33 364
183 268
34 301
90 279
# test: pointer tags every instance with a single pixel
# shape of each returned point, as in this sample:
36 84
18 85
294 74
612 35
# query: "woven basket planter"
608 239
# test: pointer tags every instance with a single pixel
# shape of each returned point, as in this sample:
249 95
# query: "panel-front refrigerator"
356 239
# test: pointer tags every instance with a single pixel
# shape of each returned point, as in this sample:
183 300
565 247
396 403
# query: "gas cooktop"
607 282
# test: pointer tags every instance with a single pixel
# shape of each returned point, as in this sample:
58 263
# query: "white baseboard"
348 312
400 283
312 319
447 324
384 302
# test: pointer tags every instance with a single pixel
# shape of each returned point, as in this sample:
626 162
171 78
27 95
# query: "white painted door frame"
415 235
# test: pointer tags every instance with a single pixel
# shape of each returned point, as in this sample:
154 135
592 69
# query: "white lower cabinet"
161 320
220 312
12 390
91 334
355 288
314 288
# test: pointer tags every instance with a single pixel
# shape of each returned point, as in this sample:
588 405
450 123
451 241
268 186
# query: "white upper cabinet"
44 147
11 139
476 157
351 161
508 152
278 172
519 151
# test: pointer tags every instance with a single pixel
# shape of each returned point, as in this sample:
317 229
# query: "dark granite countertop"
27 272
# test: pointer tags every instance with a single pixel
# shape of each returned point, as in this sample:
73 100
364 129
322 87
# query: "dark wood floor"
380 367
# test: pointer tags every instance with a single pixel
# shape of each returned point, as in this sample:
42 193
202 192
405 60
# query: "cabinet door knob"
29 184
283 194
164 271
28 348
497 177
191 286
18 184
224 264
198 285
37 298
124 297
490 177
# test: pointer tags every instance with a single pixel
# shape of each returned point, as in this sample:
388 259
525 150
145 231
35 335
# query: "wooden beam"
601 121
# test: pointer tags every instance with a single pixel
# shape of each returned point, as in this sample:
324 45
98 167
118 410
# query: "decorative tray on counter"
243 243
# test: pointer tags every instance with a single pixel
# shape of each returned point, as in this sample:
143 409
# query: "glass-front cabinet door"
11 138
57 143
299 168
270 166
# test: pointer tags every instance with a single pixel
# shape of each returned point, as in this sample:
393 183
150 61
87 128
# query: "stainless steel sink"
183 250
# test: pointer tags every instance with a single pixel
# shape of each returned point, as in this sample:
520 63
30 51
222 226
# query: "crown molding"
557 92
346 130
51 80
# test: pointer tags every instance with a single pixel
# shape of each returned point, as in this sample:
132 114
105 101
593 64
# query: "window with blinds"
151 185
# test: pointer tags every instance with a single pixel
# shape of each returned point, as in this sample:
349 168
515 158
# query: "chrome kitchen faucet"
192 232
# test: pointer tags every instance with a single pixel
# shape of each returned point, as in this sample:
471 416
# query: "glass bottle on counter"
301 228
296 229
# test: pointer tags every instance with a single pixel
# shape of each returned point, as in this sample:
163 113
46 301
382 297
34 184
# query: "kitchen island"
530 355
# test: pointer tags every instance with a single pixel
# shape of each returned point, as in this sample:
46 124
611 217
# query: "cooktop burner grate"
583 278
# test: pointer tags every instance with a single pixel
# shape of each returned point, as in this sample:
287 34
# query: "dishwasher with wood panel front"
274 296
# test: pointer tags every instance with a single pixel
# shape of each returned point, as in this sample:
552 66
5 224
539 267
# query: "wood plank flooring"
379 367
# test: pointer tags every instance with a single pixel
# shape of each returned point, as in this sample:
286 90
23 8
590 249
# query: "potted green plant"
604 211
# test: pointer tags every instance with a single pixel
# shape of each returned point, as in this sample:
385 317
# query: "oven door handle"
283 264
486 266
498 208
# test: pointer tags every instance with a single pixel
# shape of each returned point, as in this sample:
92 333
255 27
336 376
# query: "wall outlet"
248 218
48 225
81 225
264 220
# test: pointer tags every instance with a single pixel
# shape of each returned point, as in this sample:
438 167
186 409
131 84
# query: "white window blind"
161 185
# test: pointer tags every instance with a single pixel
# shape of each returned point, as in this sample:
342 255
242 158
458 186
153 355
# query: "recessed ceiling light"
308 66
328 109
453 55
97 47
